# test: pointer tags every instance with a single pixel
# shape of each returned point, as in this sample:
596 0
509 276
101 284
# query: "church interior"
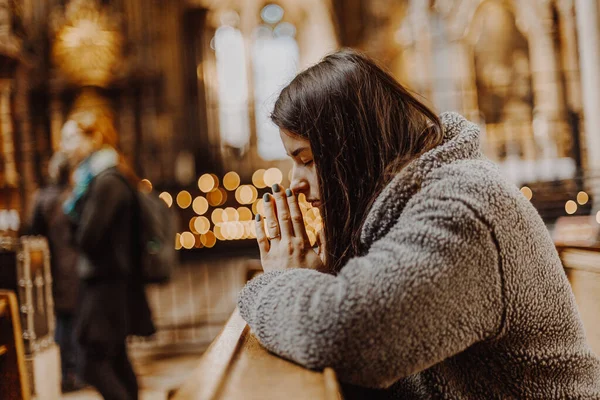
190 85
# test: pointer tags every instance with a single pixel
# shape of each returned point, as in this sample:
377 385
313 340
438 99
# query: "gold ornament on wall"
88 44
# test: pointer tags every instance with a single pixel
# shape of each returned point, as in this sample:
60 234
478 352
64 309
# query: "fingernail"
257 217
288 192
275 188
267 197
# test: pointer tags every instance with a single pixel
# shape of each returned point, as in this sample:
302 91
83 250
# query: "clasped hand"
285 243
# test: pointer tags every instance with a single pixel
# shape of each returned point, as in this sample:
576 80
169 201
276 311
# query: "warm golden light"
200 205
207 182
231 180
178 241
184 199
582 198
570 207
187 240
202 225
145 186
208 239
167 198
217 232
217 216
244 214
215 198
192 225
527 192
232 214
244 194
254 194
258 178
258 207
273 176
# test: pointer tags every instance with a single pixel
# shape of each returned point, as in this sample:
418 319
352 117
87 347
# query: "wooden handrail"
14 382
236 366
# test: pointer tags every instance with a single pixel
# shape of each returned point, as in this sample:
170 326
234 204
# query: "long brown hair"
94 120
363 127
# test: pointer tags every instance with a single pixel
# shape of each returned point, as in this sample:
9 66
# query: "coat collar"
461 141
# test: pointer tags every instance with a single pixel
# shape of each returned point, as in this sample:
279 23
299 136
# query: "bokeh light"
527 192
244 214
178 241
192 225
184 199
273 176
208 239
570 207
145 186
215 198
207 182
187 240
258 178
232 214
245 195
258 207
231 180
167 198
202 225
217 232
582 198
217 216
200 205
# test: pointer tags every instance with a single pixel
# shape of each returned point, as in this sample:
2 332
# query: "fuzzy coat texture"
460 293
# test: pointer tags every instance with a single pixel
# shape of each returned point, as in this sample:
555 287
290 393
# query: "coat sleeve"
108 195
427 290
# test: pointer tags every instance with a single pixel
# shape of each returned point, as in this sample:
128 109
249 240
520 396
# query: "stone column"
589 52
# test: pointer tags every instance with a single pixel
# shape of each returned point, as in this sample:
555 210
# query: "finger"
261 236
270 217
296 215
283 212
321 246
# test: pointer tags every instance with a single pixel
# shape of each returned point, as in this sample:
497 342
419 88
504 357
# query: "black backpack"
157 233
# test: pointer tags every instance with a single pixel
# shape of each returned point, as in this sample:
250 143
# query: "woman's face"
76 145
304 172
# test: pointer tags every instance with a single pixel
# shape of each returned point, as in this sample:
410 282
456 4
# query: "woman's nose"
298 185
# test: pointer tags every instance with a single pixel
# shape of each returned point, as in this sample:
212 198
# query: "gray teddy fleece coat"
460 295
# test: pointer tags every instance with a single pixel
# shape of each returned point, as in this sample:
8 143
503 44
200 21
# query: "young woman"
50 221
439 278
103 209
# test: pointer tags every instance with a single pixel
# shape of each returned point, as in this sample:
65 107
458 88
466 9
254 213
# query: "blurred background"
192 82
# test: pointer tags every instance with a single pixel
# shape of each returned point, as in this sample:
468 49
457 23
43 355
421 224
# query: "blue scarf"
87 170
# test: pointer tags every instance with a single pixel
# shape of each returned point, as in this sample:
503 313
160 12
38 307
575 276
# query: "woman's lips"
314 203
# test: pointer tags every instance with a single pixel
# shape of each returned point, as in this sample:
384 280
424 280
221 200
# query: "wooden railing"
236 366
582 266
14 382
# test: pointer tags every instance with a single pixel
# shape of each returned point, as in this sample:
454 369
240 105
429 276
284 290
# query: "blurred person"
50 221
439 279
104 211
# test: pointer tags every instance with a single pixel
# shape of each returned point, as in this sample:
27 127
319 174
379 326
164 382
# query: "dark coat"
113 302
50 221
